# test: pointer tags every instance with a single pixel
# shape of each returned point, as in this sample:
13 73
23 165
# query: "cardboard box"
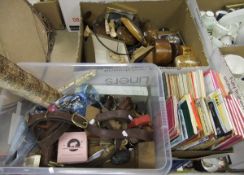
216 4
196 6
194 154
51 10
215 55
24 36
173 14
236 50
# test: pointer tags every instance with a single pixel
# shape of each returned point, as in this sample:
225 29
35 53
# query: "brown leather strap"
53 116
51 134
46 153
117 134
126 104
118 114
104 133
67 117
53 137
64 120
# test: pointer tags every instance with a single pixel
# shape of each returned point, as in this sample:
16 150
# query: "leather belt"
82 123
117 114
54 116
60 122
137 133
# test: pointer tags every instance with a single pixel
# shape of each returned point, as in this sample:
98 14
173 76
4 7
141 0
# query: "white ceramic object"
212 165
240 35
235 64
219 31
233 29
219 14
227 40
208 20
216 42
202 13
236 16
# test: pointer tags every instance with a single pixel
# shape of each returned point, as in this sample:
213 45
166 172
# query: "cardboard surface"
237 50
219 64
65 47
173 14
89 54
146 155
2 52
237 159
23 36
52 11
216 4
103 55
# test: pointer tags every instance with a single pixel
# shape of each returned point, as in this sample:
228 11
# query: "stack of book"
202 113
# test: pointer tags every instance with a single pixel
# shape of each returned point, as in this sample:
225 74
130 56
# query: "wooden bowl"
163 53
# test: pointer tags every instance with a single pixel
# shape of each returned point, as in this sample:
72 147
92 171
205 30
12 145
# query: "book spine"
202 84
219 101
199 124
202 118
217 122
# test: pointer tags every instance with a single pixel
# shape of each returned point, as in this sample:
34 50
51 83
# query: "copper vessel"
163 53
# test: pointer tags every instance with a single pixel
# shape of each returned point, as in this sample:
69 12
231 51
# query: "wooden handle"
133 29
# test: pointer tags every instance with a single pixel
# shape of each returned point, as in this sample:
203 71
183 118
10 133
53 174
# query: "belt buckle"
79 121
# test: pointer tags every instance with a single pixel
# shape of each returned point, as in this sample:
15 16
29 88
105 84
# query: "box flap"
24 35
52 11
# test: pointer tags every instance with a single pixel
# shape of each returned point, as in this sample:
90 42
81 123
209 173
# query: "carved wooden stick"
25 85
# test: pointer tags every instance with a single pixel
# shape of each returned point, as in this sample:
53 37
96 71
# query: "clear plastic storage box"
144 75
